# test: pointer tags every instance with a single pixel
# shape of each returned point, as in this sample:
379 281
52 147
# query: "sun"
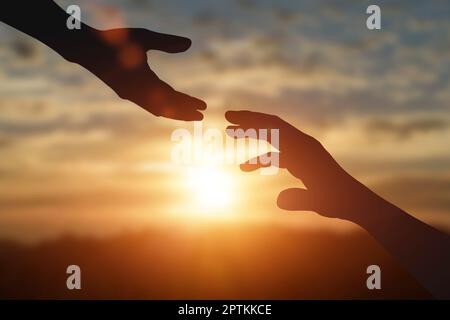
211 187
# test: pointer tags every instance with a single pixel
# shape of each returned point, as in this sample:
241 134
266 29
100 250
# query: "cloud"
312 62
247 4
207 19
406 129
24 48
4 141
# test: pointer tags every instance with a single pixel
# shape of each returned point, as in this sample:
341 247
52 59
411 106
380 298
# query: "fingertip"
184 44
246 167
229 115
195 116
285 200
188 42
170 43
189 102
191 116
281 202
198 116
201 105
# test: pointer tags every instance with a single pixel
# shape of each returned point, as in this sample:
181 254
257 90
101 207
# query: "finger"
250 119
270 135
160 41
239 132
162 100
188 101
185 103
181 106
174 113
246 123
296 199
262 161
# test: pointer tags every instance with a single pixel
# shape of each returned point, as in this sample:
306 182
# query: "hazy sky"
74 156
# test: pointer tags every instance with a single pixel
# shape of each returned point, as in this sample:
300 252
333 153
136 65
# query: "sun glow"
212 188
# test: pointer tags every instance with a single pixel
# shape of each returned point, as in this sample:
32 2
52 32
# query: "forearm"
421 249
45 21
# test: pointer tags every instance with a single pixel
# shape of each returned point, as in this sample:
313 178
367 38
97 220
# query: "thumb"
160 41
296 199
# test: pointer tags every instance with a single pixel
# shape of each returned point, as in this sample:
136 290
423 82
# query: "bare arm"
423 250
332 192
118 56
43 20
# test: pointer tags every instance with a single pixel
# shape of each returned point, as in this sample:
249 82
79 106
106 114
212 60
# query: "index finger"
250 119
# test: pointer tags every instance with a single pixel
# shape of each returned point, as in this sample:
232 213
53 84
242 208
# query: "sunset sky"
75 158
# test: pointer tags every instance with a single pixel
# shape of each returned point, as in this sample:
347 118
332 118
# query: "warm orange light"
211 187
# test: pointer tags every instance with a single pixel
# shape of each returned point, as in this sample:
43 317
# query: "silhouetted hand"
119 58
330 191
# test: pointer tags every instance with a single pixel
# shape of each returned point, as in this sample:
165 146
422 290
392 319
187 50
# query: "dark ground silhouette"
228 262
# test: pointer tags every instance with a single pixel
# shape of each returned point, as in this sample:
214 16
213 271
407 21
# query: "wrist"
375 212
71 44
359 204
